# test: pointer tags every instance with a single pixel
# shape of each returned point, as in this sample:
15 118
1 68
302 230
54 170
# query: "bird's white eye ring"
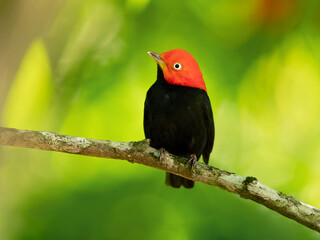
177 66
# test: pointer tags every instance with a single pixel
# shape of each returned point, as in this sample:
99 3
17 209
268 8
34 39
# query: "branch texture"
140 152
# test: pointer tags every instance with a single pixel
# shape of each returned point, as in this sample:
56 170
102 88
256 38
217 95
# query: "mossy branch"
140 152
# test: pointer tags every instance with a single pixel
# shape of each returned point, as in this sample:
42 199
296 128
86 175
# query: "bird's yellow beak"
158 58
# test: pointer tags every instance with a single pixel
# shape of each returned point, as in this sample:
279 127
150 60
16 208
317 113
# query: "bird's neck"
160 76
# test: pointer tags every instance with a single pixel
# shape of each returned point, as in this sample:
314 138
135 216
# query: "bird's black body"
179 119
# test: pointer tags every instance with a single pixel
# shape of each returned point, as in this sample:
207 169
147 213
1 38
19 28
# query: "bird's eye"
177 66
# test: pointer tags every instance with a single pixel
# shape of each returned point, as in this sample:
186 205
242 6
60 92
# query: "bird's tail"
176 181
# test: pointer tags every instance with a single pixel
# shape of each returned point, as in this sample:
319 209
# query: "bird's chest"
176 124
172 111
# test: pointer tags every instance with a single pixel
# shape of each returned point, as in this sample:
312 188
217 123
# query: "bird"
178 116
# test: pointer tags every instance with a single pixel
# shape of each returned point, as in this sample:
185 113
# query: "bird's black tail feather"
176 181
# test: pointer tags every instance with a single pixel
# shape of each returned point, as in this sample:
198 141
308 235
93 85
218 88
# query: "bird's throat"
160 76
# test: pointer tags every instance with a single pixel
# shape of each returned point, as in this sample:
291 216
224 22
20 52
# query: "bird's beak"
158 58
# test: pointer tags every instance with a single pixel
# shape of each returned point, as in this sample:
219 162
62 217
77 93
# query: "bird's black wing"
209 123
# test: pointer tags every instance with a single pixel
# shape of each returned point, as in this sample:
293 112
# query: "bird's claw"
193 160
162 153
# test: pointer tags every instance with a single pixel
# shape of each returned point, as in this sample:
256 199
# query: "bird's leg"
162 153
193 160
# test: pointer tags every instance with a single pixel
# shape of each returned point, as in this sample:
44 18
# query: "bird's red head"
180 68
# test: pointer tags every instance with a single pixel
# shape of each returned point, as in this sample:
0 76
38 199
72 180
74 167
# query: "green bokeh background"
81 67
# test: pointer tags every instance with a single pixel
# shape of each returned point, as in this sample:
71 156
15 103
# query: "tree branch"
142 153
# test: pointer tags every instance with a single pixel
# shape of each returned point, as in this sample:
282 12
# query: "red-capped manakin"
177 111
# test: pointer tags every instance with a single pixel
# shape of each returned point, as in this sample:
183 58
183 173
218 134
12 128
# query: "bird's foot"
193 160
148 141
162 153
